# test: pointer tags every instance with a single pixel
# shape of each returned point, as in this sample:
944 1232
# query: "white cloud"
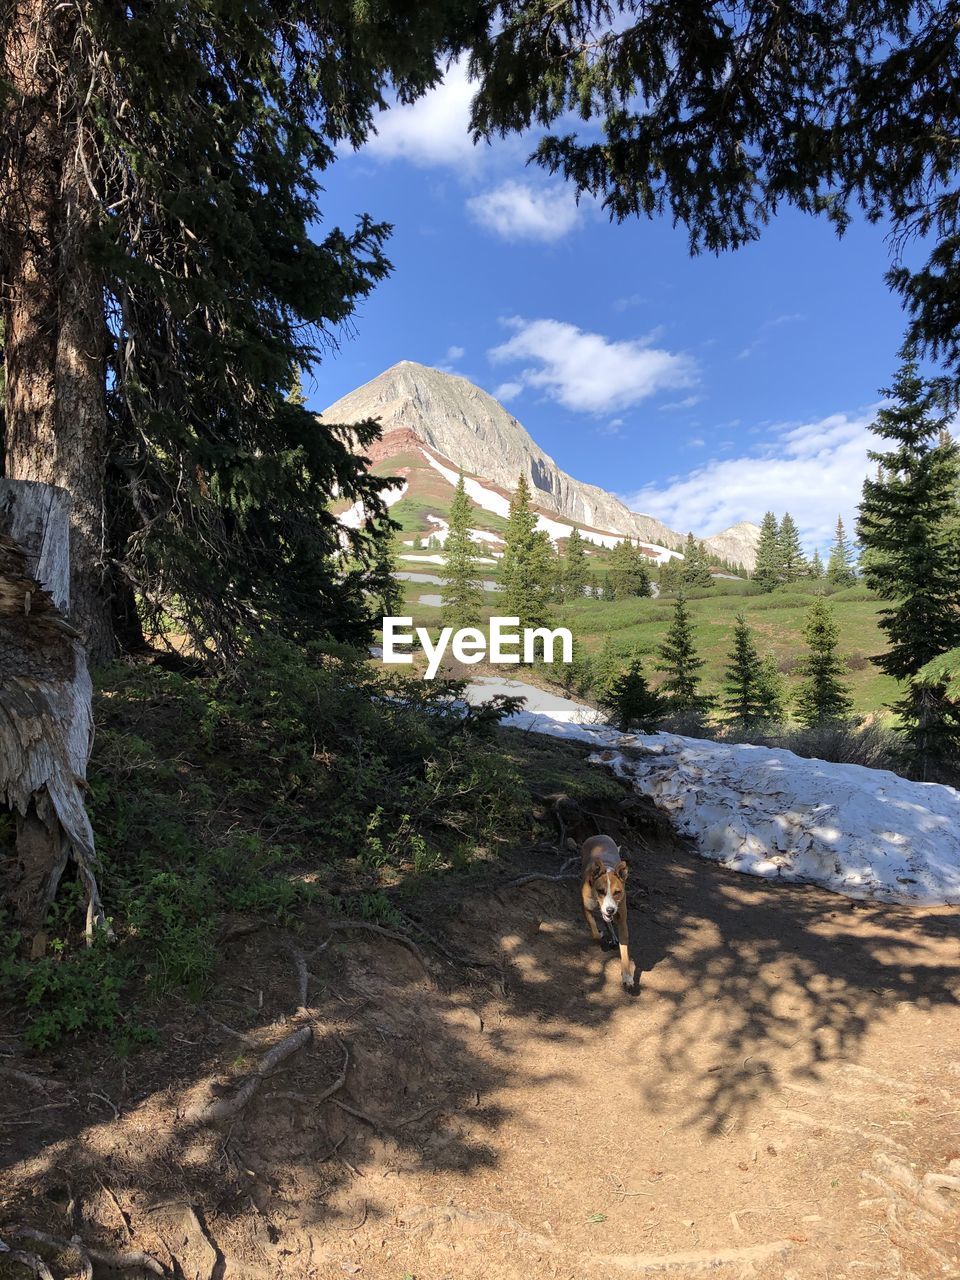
686 403
815 471
434 130
588 372
455 353
508 390
521 211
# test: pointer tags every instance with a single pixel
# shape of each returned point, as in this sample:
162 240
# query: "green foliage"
703 115
744 703
822 696
793 563
768 572
910 529
681 664
208 130
463 583
526 569
294 779
631 703
574 573
840 565
695 571
628 575
817 571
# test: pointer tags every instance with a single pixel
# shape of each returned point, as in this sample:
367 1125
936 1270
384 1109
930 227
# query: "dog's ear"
598 869
622 869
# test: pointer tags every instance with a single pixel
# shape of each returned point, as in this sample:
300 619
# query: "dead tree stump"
46 715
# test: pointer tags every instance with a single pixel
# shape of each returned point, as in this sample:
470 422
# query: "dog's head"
609 887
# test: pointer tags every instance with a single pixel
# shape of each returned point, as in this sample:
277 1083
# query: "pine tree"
463 583
631 703
695 572
670 574
525 570
816 570
628 575
768 572
793 563
575 571
909 528
165 269
606 668
822 697
744 703
840 570
771 693
681 664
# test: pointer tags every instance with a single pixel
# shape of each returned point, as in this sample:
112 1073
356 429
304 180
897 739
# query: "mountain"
462 426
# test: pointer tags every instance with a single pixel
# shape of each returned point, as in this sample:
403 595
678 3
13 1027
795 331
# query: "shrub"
237 792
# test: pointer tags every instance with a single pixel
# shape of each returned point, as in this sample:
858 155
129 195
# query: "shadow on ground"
745 988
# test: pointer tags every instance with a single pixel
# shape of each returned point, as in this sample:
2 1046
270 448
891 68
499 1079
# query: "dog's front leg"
586 896
628 969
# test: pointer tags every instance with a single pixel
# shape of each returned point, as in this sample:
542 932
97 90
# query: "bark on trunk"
55 340
46 722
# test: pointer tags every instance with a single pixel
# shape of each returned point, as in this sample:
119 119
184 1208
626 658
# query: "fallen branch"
227 1108
403 938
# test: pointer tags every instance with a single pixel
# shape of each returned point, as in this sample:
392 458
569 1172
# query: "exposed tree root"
86 1254
303 973
403 938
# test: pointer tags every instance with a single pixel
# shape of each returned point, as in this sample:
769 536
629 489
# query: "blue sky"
701 390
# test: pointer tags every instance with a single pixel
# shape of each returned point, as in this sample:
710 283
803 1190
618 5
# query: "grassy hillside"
638 626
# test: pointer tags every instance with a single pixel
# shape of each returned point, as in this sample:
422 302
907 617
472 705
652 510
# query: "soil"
781 1098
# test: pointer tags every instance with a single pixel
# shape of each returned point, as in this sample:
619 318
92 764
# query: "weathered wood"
46 717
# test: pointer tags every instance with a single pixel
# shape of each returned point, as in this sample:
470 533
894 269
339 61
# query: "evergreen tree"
575 571
822 697
681 664
165 271
771 694
768 572
840 570
793 563
816 565
909 528
631 703
463 582
628 575
606 668
525 569
670 574
695 572
744 702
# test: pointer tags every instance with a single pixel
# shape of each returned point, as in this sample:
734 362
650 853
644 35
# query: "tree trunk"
55 339
46 722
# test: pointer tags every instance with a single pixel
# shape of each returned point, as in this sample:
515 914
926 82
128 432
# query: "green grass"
638 626
777 619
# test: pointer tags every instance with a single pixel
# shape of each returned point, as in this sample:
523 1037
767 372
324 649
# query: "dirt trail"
781 1099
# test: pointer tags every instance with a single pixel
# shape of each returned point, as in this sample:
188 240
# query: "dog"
604 889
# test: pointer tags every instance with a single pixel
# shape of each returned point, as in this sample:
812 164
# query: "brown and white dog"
604 889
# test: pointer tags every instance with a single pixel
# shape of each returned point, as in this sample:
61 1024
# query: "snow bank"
865 833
